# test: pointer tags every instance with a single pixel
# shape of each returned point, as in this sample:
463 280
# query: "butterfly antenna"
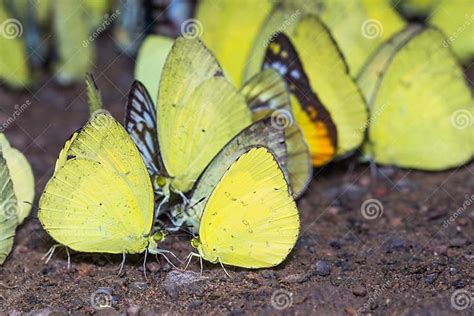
122 264
200 200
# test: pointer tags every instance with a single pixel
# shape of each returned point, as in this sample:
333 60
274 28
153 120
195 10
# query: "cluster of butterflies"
225 150
198 157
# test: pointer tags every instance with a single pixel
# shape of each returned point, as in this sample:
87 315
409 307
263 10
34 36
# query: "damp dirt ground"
408 261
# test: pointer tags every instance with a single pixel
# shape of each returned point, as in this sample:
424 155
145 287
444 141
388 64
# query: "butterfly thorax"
204 251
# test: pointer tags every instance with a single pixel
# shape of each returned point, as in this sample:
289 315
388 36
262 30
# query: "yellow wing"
326 102
22 177
267 96
198 112
260 133
8 211
14 68
250 220
100 198
421 107
238 22
150 62
75 49
456 19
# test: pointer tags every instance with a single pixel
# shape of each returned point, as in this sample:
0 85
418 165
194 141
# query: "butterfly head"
155 239
203 250
160 181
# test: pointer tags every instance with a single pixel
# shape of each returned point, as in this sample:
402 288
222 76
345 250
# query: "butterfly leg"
189 257
222 265
50 253
144 264
122 264
68 259
166 258
164 251
165 199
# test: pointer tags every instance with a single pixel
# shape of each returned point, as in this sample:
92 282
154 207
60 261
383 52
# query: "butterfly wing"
312 117
100 198
267 96
150 62
140 122
421 107
260 133
8 211
75 51
22 177
237 21
198 110
14 67
250 219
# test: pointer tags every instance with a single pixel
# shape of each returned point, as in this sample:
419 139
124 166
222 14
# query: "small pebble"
268 274
336 244
458 242
459 284
394 244
359 290
153 267
430 278
322 268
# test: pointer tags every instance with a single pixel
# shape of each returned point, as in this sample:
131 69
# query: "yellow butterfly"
249 218
17 194
100 198
325 100
14 67
421 108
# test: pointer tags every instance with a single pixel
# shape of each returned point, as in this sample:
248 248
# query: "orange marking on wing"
316 134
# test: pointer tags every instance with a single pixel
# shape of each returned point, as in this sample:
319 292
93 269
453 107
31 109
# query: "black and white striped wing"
140 122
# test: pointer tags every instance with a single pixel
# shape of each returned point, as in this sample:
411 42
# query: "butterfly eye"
195 242
160 181
159 236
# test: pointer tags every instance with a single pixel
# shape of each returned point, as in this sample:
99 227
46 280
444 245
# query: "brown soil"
409 261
